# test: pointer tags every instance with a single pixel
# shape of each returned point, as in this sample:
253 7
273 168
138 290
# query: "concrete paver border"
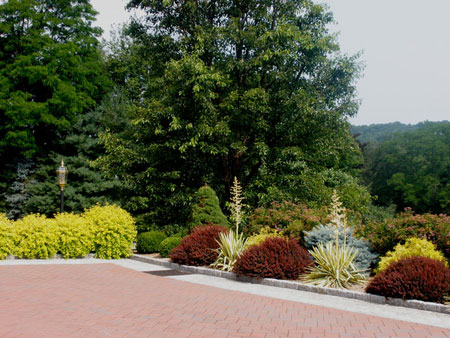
414 304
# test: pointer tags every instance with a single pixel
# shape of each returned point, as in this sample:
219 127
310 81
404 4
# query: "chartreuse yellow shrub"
261 236
413 247
36 237
114 231
76 236
6 237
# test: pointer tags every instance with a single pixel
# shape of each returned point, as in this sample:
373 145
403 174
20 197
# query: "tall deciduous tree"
233 88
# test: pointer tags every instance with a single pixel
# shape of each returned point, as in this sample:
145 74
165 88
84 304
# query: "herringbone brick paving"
105 300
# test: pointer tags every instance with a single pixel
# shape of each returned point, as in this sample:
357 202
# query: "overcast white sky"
406 45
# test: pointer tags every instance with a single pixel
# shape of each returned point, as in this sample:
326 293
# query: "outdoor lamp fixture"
62 181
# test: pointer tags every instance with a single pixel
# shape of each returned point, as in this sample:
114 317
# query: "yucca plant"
232 244
335 266
231 247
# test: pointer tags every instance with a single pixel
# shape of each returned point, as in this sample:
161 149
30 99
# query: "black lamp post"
62 181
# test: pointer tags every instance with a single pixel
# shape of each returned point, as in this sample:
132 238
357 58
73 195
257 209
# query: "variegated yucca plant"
335 266
232 244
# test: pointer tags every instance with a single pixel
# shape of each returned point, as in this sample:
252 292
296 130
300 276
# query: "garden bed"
296 285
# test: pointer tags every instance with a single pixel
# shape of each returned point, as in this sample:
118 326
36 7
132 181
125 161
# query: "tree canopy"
413 169
252 89
49 71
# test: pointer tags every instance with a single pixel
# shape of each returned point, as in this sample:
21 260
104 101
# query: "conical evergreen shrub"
207 210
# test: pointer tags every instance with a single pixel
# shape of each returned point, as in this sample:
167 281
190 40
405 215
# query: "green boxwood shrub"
6 237
76 237
166 246
148 242
36 236
364 259
114 231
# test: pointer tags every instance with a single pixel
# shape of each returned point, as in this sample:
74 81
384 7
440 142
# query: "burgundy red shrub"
199 247
274 258
418 278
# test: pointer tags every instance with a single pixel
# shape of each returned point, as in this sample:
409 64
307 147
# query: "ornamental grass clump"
335 265
420 278
274 258
413 247
200 247
232 243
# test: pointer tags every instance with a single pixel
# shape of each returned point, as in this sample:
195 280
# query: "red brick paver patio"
105 300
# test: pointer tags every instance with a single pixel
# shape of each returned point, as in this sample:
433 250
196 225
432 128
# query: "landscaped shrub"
364 258
114 231
36 236
166 246
207 210
263 234
418 278
199 248
148 242
384 236
334 267
274 258
76 237
6 237
232 244
413 247
292 219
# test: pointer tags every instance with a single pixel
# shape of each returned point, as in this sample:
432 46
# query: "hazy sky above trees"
406 50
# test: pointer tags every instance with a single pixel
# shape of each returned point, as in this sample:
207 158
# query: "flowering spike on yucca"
236 203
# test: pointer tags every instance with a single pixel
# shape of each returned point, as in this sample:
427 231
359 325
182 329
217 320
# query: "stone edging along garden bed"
414 304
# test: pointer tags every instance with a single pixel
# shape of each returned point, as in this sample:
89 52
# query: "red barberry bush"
274 258
418 278
200 247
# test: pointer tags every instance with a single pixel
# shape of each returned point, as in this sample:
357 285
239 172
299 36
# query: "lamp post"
62 181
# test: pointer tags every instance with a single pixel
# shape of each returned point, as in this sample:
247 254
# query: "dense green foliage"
377 133
418 278
166 246
412 169
289 218
385 235
51 74
207 210
149 242
364 258
255 90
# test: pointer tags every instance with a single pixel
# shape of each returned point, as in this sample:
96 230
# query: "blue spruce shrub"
326 233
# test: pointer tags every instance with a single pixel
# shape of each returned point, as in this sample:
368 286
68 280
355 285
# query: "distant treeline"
407 165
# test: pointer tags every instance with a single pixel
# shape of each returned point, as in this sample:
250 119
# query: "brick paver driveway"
105 300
